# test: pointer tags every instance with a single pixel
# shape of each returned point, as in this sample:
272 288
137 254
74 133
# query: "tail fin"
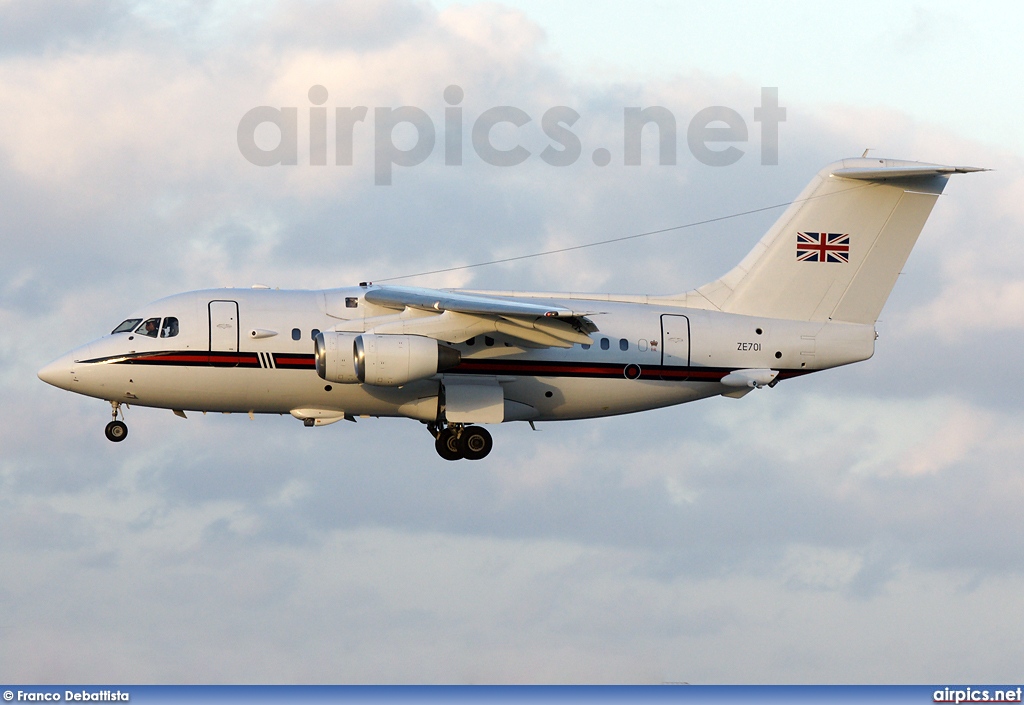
837 250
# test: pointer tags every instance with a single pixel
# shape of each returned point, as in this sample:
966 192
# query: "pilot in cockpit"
170 328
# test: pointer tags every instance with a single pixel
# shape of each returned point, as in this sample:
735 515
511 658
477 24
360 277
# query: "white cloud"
386 606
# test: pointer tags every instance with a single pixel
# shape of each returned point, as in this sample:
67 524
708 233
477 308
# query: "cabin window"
296 334
351 302
488 341
151 328
127 326
585 346
170 327
471 342
623 344
314 333
605 344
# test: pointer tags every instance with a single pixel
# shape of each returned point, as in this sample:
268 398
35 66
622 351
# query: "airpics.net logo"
712 134
977 695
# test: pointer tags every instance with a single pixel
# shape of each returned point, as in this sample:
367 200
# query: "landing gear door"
675 347
224 332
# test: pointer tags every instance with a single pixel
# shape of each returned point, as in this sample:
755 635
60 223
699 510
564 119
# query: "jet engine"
335 357
381 360
394 360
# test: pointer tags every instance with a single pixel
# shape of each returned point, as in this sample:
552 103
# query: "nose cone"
60 373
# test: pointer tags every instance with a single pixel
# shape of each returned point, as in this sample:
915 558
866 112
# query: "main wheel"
116 431
475 443
447 445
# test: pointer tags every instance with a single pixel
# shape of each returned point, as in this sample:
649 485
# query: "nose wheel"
456 442
116 431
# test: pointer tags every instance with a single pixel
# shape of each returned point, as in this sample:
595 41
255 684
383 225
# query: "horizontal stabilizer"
903 172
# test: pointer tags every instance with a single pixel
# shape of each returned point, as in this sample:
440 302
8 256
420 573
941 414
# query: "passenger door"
675 347
224 333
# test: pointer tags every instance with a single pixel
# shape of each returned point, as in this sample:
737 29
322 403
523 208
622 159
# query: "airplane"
805 299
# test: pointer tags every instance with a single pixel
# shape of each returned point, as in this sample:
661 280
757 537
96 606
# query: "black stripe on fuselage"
468 366
603 370
186 358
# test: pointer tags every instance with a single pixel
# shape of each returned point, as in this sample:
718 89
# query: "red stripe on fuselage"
294 361
299 361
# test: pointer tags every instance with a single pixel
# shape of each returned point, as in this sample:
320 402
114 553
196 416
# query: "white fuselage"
644 356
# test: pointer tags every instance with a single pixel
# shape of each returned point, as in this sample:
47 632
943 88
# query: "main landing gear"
116 431
455 442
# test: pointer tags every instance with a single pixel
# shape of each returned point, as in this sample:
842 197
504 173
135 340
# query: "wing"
454 317
399 297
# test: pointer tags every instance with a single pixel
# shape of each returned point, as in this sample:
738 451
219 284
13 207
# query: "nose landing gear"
457 442
116 431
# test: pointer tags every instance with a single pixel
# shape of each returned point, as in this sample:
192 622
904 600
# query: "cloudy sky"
861 525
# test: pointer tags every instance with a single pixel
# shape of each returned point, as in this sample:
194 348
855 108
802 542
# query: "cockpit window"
151 328
127 326
170 327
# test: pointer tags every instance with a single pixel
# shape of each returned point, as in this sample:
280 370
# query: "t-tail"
836 252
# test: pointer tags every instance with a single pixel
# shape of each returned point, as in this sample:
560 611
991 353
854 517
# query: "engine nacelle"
394 360
335 357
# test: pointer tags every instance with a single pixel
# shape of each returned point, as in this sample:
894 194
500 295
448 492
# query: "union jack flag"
822 247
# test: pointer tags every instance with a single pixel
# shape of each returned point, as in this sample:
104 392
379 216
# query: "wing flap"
451 327
562 330
530 335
